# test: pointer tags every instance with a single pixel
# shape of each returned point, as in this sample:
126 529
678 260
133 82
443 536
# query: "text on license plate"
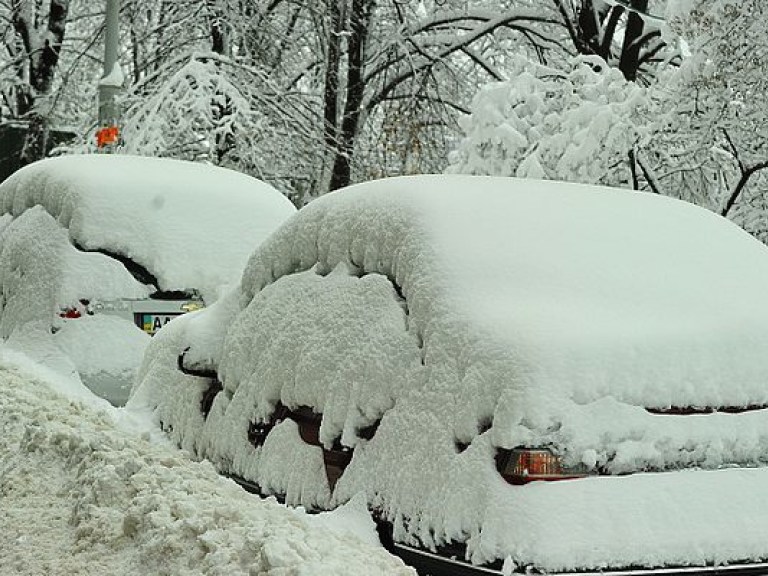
151 323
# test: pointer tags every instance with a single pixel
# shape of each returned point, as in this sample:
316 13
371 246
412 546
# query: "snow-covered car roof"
461 315
191 225
579 290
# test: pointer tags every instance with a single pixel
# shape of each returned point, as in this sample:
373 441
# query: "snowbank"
470 313
83 496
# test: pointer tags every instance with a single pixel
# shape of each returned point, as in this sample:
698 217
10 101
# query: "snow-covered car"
97 252
520 376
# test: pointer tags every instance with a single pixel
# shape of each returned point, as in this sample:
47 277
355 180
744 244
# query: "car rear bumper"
149 314
436 565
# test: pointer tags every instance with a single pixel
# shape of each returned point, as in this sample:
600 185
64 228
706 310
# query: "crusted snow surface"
472 313
191 225
81 495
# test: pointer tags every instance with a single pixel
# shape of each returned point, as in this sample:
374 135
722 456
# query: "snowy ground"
88 489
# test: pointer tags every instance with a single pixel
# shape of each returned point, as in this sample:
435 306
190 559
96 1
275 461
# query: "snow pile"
362 319
81 496
41 273
106 352
470 313
191 225
31 254
341 315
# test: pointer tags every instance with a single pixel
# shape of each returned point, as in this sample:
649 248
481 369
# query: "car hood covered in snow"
540 314
191 225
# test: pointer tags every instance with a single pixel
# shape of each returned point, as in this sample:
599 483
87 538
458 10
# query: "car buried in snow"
518 375
98 252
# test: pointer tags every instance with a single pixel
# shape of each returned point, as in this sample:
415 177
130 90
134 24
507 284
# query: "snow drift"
82 494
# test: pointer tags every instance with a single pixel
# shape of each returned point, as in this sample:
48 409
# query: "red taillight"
70 313
76 311
538 463
523 465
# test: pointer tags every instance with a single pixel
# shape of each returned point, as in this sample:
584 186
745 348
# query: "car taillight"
523 465
77 311
70 313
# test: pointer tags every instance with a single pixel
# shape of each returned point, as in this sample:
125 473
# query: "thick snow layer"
114 78
32 249
106 351
81 495
470 313
191 225
41 273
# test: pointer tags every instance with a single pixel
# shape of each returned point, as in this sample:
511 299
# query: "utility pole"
112 80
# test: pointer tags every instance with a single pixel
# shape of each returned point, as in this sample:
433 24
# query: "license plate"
151 323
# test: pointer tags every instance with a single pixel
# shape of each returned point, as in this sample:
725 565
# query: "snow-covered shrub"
712 147
210 108
578 126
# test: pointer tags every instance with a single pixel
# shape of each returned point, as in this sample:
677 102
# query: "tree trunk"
35 145
42 48
630 50
332 88
350 123
225 143
219 41
589 20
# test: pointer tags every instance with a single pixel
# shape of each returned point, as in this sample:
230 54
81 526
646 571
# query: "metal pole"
112 79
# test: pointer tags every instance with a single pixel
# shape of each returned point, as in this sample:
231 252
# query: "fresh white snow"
88 489
192 225
106 351
114 78
535 314
41 273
